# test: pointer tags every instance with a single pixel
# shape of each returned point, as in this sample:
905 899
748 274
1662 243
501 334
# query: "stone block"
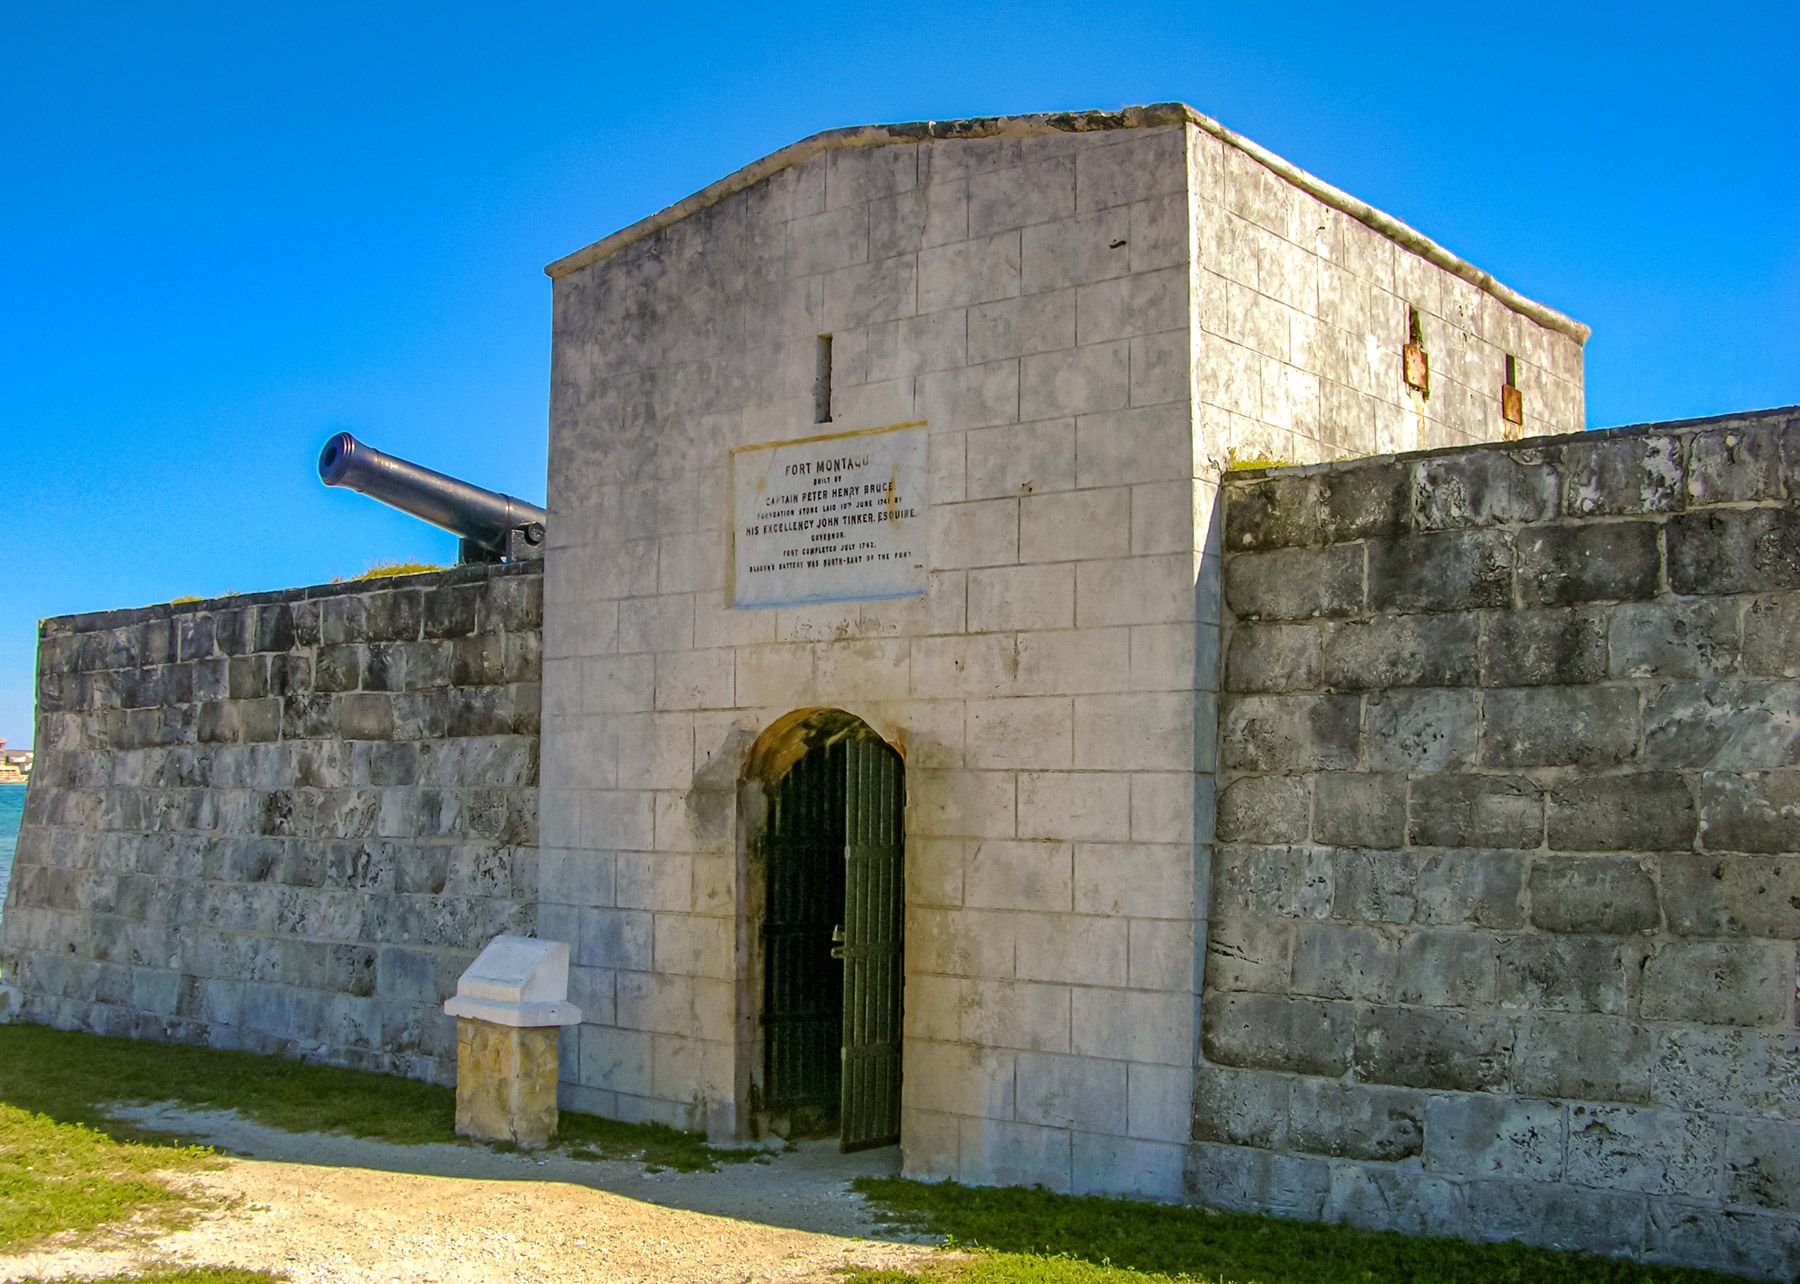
1023 732
1611 476
1071 949
1273 1032
997 1014
1375 886
1351 1121
1442 571
1731 895
1397 1197
1254 954
1564 565
1726 725
1295 583
1141 880
1481 488
1071 1092
1762 1164
1401 651
1475 811
1559 726
1556 1215
1728 1071
1290 882
1241 1107
1489 1136
1643 811
1692 638
1771 623
1342 961
1601 894
1357 810
1749 812
1659 1152
1243 1179
1748 983
1734 465
1446 969
1441 1050
1018 875
1749 550
1273 658
1739 1242
1138 732
1015 1154
1292 732
1074 805
1471 888
1564 647
1586 1057
1567 973
1420 730
1265 809
1278 511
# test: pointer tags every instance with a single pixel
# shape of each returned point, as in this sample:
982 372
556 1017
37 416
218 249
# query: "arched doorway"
824 916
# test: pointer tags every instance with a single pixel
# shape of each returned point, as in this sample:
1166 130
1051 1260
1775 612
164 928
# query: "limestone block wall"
1089 314
283 821
1042 690
1302 310
1503 915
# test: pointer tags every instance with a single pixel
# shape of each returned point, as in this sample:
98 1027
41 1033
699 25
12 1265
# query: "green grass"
94 1072
171 1275
1037 1237
63 1177
383 570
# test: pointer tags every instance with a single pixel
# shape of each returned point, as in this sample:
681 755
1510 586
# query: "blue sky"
230 230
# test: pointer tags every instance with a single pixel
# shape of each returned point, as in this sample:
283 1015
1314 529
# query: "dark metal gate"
873 925
832 936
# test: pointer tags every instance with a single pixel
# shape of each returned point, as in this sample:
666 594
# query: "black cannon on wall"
494 527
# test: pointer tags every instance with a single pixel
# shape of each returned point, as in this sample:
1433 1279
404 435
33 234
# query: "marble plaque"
838 518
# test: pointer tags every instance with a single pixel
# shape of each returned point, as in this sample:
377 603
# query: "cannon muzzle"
493 526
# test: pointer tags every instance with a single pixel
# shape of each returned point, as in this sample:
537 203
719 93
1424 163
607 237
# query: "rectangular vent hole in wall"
1512 401
822 383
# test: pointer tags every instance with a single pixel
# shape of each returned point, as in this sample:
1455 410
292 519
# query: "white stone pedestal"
508 1007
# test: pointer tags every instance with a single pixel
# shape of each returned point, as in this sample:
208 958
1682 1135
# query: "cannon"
493 527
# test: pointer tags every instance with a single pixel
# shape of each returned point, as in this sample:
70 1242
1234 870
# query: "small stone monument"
508 1007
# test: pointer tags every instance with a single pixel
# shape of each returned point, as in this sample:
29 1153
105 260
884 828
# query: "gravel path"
317 1208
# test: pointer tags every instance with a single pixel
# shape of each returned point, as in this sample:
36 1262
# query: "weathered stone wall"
1503 916
283 822
1301 314
1037 293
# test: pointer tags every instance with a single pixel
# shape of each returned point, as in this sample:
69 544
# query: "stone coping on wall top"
1747 418
1072 122
474 573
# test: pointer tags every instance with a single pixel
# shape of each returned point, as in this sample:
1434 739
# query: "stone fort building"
937 720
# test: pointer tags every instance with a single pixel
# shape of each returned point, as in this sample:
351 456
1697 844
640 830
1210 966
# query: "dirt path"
319 1208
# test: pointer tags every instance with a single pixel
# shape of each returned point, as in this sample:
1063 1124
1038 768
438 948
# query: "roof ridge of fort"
1043 123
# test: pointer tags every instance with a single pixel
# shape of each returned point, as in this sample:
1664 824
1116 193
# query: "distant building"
15 765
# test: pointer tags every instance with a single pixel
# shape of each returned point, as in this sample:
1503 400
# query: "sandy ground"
315 1207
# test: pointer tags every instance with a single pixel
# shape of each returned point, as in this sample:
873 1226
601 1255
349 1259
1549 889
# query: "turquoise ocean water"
12 808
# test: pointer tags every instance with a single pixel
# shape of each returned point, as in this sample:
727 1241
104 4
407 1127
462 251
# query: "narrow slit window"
822 383
1512 372
1415 329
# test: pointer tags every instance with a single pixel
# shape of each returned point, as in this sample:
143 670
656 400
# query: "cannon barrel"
484 518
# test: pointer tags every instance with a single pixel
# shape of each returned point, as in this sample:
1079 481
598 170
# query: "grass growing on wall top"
1036 1237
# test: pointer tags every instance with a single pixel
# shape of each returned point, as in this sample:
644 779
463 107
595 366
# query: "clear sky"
228 230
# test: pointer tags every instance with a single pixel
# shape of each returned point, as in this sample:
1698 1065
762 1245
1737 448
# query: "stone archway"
822 909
